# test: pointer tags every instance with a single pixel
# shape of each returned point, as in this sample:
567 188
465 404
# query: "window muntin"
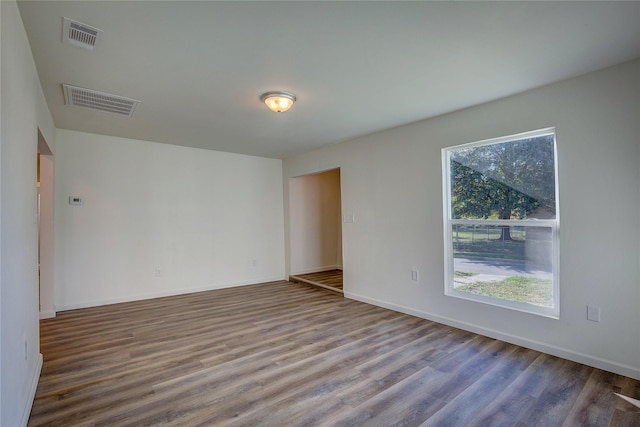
501 222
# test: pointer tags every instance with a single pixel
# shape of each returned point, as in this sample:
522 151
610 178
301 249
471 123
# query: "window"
501 222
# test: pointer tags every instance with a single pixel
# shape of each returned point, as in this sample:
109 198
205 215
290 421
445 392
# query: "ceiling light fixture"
278 102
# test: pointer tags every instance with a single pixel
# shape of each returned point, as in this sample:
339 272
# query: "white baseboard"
32 390
168 293
317 269
47 314
585 359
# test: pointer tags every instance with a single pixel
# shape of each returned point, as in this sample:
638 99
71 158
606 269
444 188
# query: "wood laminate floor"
284 354
331 280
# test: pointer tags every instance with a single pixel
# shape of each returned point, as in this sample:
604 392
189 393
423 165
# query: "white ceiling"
199 68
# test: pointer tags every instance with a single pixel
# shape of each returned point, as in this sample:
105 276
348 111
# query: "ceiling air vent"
79 34
101 101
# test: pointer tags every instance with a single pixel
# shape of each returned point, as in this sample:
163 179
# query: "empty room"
319 213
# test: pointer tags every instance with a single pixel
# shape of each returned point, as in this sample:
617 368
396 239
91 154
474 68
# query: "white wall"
203 219
392 182
22 112
315 222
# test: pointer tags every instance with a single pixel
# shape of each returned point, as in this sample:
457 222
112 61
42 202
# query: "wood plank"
288 354
330 280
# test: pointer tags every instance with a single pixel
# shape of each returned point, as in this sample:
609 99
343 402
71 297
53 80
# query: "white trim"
150 295
508 138
505 303
511 222
575 356
32 390
47 314
317 269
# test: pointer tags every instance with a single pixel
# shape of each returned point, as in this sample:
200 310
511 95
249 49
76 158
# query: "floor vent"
79 34
100 101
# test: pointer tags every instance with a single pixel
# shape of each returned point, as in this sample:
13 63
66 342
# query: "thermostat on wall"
75 200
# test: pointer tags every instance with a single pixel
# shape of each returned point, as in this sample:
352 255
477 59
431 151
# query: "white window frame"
449 222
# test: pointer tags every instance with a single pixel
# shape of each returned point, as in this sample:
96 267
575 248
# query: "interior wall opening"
45 227
315 204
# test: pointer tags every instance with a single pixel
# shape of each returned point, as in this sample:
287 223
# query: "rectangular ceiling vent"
100 101
79 34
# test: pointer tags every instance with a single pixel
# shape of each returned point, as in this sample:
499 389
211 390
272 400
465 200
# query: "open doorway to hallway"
315 205
45 227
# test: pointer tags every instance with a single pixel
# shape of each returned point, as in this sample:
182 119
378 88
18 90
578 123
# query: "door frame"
293 205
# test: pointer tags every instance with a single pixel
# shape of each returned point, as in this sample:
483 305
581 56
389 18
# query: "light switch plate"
415 275
593 313
348 219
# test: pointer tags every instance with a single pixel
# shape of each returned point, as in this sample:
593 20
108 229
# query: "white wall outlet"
75 200
593 313
415 275
254 263
349 218
158 272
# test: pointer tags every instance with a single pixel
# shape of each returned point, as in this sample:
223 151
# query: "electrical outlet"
26 353
593 313
158 272
254 262
415 276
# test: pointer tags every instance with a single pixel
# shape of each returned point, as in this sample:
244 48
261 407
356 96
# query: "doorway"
45 227
315 217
